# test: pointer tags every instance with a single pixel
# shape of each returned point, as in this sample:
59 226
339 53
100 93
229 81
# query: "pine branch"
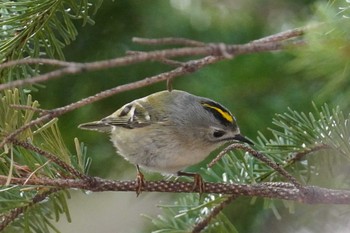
30 28
304 133
262 158
301 154
10 217
295 157
51 157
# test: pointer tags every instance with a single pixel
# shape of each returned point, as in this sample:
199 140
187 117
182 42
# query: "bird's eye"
218 133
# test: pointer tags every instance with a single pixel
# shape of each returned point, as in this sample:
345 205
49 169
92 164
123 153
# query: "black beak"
241 138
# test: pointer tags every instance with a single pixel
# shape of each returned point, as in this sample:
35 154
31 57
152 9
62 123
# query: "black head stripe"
220 113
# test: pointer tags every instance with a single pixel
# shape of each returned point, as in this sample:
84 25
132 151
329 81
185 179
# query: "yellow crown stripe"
224 114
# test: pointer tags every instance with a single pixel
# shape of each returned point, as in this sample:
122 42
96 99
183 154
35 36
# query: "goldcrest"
169 131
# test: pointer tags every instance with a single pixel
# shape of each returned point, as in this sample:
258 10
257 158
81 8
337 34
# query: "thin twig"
168 41
26 107
216 210
72 69
259 156
300 155
172 63
292 33
162 60
44 61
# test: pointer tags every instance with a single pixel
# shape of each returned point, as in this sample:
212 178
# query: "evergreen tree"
302 157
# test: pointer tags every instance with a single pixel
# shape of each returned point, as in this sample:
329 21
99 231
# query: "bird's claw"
140 181
199 184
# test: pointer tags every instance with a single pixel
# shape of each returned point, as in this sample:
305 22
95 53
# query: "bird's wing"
132 115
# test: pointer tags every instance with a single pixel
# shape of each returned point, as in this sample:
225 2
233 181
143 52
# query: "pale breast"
159 150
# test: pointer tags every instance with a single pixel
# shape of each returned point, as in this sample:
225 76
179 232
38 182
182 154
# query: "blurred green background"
254 87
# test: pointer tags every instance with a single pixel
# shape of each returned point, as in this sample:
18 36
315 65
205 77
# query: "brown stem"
168 41
300 155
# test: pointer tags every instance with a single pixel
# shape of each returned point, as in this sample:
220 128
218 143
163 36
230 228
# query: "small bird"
167 132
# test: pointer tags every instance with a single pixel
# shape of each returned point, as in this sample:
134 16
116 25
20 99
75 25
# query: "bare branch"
71 69
293 33
26 107
42 61
212 49
168 41
275 190
162 60
117 62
